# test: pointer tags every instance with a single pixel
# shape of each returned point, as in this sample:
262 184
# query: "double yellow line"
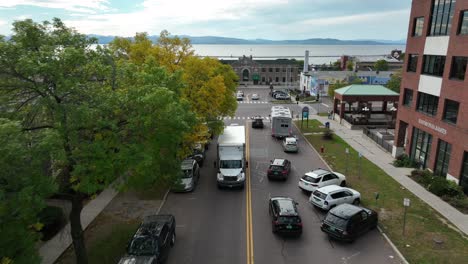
248 203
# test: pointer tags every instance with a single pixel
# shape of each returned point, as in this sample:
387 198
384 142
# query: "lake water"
318 54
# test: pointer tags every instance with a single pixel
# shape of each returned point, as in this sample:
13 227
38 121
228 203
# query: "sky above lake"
248 19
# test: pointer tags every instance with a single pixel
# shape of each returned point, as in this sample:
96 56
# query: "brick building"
256 72
432 121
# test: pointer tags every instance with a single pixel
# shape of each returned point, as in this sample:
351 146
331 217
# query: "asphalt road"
211 223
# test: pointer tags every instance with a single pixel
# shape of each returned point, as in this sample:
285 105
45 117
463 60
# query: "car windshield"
276 168
310 179
142 246
289 219
320 195
336 221
230 164
186 174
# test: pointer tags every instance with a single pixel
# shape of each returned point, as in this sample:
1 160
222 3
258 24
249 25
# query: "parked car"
332 195
255 96
290 144
257 122
346 222
199 153
239 97
152 240
279 169
320 178
284 216
282 96
275 92
241 93
188 178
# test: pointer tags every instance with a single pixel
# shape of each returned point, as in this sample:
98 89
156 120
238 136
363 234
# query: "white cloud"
3 22
358 18
85 6
172 15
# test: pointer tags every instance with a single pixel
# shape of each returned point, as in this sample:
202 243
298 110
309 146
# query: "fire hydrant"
322 149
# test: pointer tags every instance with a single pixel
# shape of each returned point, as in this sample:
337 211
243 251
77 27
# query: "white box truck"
231 159
281 122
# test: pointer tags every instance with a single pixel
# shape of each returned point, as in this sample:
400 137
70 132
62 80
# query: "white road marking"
325 105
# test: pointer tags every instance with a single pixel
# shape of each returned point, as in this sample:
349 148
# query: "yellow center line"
248 199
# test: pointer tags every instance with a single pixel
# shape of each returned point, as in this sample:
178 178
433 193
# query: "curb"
163 201
393 246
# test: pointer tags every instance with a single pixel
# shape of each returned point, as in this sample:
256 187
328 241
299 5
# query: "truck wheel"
173 239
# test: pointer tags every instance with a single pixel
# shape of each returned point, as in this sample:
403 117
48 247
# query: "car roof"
187 164
290 139
345 210
278 162
330 188
286 206
317 173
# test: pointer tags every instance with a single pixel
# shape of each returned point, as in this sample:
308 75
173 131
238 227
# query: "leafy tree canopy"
381 65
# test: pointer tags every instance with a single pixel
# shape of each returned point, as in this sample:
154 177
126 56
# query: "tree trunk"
77 229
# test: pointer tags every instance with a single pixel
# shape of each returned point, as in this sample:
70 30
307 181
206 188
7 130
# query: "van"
188 177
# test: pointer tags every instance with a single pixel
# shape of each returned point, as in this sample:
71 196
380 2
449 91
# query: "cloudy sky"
249 19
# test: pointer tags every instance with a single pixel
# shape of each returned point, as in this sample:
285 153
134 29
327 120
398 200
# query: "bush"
404 161
424 177
53 220
438 186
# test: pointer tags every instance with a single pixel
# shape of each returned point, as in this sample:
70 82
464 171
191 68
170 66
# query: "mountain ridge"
215 40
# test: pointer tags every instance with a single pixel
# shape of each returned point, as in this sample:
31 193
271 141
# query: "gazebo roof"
365 90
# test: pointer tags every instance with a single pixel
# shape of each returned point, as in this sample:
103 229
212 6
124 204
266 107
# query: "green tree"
395 82
337 85
22 191
350 66
381 65
53 82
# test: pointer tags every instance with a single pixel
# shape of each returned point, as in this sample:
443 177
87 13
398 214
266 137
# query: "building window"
284 79
291 80
427 103
451 111
270 69
441 18
464 173
418 26
458 68
443 158
463 23
421 147
412 62
284 69
434 65
263 79
277 69
408 97
263 70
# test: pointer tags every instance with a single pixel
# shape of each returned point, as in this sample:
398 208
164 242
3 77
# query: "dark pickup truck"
152 241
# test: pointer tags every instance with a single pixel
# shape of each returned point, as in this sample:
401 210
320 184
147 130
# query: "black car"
152 241
257 122
279 169
199 153
346 222
284 216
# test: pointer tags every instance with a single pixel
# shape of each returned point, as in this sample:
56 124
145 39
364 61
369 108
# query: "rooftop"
359 89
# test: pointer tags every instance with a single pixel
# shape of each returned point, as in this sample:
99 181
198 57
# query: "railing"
380 141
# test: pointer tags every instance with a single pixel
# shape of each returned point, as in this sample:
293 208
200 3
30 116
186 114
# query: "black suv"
284 216
151 242
346 222
279 169
257 122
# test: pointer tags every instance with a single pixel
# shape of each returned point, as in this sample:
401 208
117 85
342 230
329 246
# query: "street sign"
305 109
406 202
347 150
360 154
305 114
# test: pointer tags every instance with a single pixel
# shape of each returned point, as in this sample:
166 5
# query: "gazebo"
362 105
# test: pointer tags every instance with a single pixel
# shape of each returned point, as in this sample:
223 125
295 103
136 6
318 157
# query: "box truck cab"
281 122
231 161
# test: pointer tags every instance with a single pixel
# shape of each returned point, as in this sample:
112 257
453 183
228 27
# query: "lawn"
311 126
423 224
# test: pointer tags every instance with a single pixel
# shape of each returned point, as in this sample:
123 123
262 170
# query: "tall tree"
23 189
381 65
395 82
51 79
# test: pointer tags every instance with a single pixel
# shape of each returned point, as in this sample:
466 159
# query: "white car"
241 93
313 180
290 144
281 96
332 195
239 97
255 97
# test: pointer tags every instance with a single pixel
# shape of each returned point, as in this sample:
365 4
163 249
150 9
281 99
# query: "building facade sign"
432 126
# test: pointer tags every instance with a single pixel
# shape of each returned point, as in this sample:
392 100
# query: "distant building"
432 120
366 63
264 72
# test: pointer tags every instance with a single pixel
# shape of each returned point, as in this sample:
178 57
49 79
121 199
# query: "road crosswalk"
252 102
242 118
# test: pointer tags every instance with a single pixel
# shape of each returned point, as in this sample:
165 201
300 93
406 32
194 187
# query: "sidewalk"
52 249
383 159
